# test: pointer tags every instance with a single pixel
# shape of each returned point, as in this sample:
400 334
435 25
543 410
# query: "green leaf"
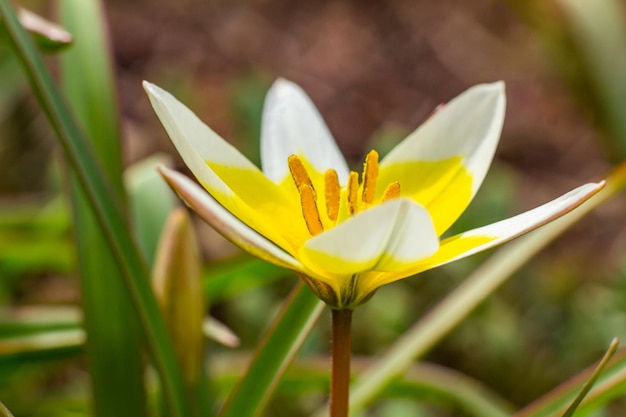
42 345
113 344
275 352
39 333
599 28
107 208
25 321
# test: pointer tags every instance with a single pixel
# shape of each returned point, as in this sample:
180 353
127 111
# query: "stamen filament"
353 192
370 174
298 172
332 191
309 210
392 191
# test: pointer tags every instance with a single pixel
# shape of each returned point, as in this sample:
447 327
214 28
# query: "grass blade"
274 353
592 379
609 385
106 208
42 344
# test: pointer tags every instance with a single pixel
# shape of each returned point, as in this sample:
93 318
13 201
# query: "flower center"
357 196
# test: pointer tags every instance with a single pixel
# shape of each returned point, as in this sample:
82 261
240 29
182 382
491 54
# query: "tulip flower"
343 232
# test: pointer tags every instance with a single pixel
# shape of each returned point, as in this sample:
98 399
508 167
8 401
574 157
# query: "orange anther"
353 192
392 191
309 210
370 175
332 192
298 172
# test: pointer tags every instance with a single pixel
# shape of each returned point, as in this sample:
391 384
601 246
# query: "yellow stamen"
309 210
353 192
298 173
331 189
392 191
370 174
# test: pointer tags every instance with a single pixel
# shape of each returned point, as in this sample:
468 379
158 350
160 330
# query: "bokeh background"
376 70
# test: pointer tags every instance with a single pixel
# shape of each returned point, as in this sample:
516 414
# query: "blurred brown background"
372 68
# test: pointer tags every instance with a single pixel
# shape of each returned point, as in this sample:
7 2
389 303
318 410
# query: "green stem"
340 379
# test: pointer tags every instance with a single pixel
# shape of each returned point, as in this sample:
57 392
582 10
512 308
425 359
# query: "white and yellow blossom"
346 235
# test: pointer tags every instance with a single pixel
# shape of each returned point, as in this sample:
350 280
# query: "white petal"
226 223
469 127
508 229
194 140
388 237
292 125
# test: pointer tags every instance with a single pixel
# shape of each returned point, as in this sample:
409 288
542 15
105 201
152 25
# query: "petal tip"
280 81
493 91
150 88
497 87
282 87
593 188
162 169
155 93
173 178
500 85
589 189
169 175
